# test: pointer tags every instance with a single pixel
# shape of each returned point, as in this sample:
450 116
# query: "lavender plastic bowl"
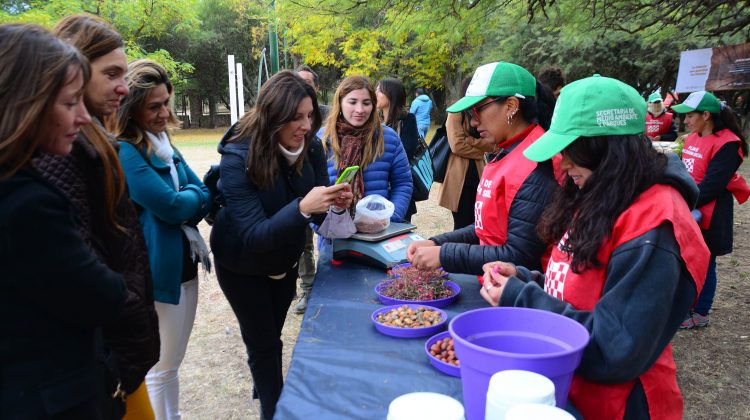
437 303
440 365
408 332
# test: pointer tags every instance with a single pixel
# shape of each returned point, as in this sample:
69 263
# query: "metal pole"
260 67
273 41
240 92
232 90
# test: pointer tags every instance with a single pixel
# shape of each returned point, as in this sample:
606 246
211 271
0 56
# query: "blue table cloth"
342 368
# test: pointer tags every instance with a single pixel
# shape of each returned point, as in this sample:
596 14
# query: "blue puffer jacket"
421 107
389 176
162 211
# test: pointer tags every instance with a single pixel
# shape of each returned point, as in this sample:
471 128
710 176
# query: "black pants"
465 214
261 304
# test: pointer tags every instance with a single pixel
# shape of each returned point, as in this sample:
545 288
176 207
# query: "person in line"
391 103
712 153
274 183
172 200
510 110
307 260
465 164
311 78
93 180
55 291
421 107
353 135
660 124
553 78
628 260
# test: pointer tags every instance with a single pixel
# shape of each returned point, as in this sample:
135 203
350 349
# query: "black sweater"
722 166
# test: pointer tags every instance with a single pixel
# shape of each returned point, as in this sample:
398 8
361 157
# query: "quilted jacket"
134 335
388 176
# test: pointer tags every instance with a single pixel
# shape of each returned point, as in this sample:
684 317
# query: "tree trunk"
211 111
196 110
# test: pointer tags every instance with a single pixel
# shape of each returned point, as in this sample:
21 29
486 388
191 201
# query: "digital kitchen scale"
382 250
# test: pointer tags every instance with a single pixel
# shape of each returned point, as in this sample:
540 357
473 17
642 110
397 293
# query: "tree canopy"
431 44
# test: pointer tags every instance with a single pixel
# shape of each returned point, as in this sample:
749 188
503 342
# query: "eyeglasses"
473 112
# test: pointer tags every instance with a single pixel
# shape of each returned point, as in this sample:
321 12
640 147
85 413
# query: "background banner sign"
714 69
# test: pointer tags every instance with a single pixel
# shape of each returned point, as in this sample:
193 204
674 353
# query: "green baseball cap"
496 79
699 101
654 97
594 106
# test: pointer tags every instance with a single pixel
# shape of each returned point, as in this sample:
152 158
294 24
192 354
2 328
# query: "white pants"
175 325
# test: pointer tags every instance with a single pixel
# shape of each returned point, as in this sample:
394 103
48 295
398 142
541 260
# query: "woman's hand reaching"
496 274
319 199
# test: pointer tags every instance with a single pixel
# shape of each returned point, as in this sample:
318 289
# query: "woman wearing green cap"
626 263
712 154
659 123
510 110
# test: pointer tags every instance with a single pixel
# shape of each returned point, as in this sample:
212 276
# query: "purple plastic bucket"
491 340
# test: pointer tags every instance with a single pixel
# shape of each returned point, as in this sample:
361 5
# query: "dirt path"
713 363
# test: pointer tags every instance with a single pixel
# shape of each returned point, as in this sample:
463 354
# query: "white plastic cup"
537 412
509 388
425 405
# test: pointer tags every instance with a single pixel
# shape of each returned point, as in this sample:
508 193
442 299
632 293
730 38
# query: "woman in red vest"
510 110
626 263
660 124
712 154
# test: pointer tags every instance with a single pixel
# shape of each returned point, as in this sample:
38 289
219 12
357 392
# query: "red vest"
657 126
697 153
654 206
497 188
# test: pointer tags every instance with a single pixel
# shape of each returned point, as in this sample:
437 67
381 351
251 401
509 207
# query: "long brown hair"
374 145
34 66
588 214
94 37
394 90
142 76
277 104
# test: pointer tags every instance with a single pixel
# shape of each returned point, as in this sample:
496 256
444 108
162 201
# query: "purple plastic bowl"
408 332
440 365
437 303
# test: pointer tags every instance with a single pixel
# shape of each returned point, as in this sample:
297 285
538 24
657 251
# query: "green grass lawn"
198 137
203 137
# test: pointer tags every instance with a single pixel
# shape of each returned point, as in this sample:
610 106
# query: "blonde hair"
34 67
374 145
142 76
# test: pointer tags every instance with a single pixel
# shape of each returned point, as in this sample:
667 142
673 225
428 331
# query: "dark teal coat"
162 211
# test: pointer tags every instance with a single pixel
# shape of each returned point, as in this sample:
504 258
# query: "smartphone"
348 175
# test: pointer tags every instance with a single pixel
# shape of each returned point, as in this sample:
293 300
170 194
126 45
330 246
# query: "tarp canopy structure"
342 368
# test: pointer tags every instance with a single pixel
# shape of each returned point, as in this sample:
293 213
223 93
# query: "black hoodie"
648 289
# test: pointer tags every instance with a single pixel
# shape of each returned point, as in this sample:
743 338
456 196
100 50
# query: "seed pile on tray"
443 350
406 317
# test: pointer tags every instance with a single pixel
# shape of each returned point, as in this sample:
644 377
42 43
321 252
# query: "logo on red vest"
478 215
554 278
689 164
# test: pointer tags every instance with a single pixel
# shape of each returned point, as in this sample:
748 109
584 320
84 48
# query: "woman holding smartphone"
274 183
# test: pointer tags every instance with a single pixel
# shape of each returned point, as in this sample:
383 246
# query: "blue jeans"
706 298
